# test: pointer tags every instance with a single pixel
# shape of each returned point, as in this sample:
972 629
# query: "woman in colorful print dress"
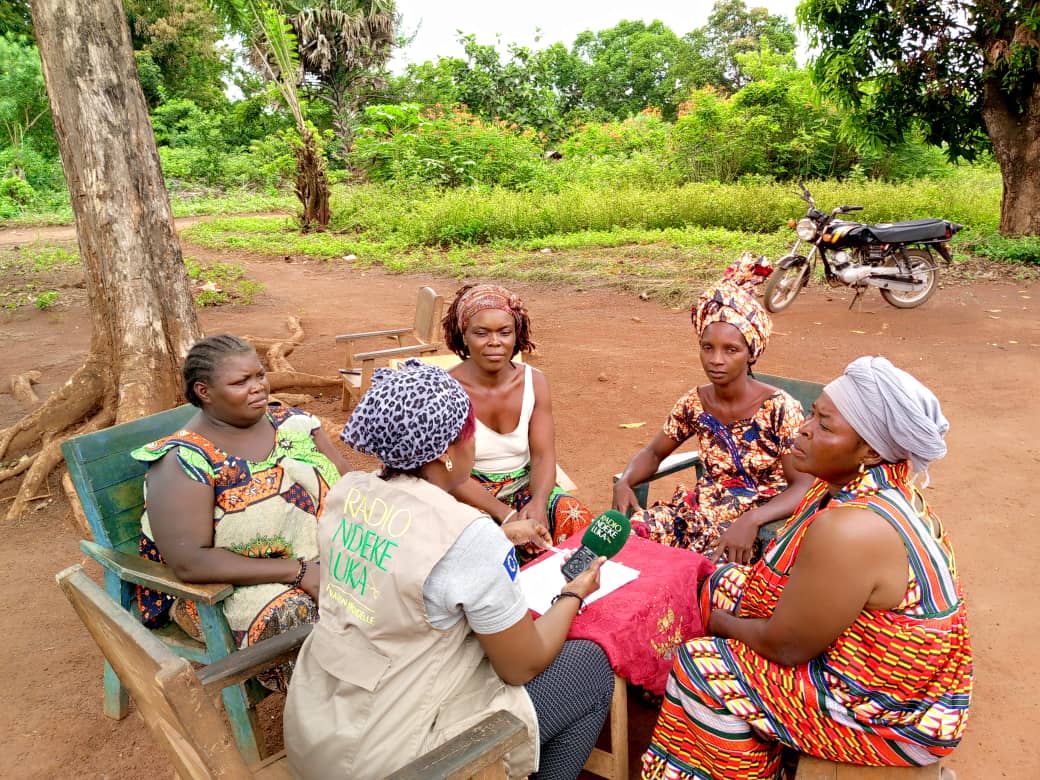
849 639
514 478
743 427
239 500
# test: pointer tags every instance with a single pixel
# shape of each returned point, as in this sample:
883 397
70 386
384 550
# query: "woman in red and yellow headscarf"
514 478
744 428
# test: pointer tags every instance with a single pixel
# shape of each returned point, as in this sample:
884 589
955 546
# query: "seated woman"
744 428
514 477
424 630
239 500
849 639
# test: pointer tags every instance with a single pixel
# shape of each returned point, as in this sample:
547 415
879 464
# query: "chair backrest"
803 391
165 688
109 482
429 309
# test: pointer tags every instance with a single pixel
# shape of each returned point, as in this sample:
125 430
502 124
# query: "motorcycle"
896 257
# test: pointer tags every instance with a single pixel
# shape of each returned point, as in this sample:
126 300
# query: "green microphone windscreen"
607 534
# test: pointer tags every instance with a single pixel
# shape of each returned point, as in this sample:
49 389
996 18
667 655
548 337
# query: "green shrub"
452 149
1021 249
46 299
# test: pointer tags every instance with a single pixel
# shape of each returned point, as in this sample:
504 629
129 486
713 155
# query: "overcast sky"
518 21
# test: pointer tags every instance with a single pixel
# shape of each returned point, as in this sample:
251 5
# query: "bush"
453 149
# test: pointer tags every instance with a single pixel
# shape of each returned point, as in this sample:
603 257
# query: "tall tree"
142 314
629 67
968 69
183 40
343 46
733 29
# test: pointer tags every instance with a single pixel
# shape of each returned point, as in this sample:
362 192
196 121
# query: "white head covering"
892 411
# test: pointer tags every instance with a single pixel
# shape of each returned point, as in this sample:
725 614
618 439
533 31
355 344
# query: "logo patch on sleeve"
510 564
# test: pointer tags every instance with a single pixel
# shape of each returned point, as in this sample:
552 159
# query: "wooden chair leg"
117 701
241 714
244 726
613 765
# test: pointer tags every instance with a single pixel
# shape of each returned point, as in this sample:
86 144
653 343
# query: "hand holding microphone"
603 538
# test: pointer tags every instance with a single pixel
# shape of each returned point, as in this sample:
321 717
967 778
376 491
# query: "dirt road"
610 359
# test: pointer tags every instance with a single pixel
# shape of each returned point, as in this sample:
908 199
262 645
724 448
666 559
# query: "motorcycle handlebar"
846 209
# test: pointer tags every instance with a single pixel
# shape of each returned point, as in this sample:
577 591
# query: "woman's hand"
625 500
737 542
588 581
311 580
525 532
534 514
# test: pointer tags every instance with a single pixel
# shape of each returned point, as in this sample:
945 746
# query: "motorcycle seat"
907 232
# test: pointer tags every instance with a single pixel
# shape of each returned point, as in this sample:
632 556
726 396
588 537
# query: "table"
639 626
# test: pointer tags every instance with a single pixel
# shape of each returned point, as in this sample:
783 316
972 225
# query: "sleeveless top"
500 453
376 684
907 672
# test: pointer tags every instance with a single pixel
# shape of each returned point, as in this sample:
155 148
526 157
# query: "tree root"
280 380
78 397
49 457
280 372
13 471
21 387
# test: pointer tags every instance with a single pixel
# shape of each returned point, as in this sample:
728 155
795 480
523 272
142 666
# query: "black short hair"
205 357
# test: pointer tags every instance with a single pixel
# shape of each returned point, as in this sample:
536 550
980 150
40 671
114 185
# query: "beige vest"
375 685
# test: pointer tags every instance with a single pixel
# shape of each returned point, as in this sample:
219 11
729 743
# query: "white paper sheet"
544 580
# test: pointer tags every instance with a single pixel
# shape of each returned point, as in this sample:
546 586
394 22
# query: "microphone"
605 536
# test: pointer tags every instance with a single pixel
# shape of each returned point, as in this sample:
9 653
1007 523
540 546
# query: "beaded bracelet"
300 574
572 594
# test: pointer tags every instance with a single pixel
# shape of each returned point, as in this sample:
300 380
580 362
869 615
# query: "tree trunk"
143 315
1016 144
312 183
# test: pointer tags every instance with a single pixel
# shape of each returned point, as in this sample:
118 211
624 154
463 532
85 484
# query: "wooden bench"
175 699
812 768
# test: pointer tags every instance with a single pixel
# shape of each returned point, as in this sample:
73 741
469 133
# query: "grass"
56 210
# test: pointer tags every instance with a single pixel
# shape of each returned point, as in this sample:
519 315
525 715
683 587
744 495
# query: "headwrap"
488 296
732 300
891 411
409 416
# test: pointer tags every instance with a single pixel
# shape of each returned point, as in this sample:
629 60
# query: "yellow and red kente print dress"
264 509
893 689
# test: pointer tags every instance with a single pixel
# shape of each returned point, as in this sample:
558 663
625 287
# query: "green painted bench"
803 391
109 484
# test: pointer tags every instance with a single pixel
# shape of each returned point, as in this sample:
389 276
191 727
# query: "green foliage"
15 17
1022 249
885 65
713 53
46 299
446 150
630 66
179 52
24 112
221 283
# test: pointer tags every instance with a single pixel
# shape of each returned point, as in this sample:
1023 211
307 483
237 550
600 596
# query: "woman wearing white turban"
849 639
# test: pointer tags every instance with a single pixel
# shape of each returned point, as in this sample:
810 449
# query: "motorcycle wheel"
922 267
783 286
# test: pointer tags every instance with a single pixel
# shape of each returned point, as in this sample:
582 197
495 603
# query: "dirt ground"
610 359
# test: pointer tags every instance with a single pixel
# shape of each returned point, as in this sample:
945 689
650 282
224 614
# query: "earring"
862 467
448 464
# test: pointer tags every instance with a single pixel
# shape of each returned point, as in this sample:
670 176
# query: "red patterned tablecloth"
640 624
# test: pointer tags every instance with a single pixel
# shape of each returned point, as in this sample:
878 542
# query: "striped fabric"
892 690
